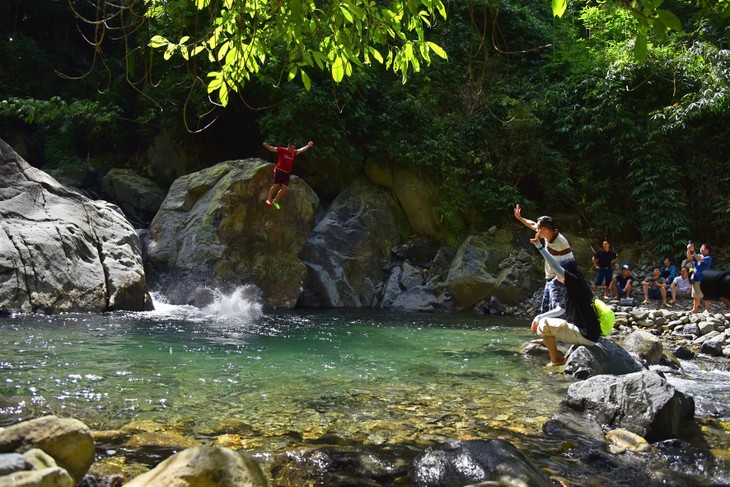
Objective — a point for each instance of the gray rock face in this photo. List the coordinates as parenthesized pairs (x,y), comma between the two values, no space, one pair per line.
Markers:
(488,265)
(645,345)
(459,463)
(214,231)
(137,196)
(204,466)
(605,357)
(60,251)
(347,249)
(643,403)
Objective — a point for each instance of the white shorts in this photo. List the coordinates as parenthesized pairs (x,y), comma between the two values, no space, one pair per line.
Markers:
(562,331)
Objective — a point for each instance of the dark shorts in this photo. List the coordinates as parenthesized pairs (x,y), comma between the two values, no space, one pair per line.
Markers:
(281,177)
(655,293)
(604,277)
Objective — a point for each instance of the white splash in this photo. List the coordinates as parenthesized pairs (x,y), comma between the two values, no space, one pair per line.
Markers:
(241,305)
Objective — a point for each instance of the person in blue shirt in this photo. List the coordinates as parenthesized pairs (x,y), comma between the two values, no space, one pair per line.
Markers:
(702,262)
(668,271)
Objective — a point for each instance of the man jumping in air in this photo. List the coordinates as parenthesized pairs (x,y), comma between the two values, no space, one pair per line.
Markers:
(282,171)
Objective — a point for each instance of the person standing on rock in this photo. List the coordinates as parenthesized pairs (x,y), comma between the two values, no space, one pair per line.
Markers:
(702,262)
(580,325)
(603,261)
(282,171)
(553,294)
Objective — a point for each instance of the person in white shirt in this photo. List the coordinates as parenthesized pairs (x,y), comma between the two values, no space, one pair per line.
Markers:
(681,286)
(557,245)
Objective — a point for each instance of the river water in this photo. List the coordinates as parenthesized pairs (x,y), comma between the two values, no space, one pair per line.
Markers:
(282,379)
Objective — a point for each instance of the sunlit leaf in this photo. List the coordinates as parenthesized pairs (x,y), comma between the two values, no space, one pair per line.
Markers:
(158,41)
(559,7)
(305,80)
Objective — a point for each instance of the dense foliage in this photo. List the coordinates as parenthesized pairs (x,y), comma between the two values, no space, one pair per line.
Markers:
(557,114)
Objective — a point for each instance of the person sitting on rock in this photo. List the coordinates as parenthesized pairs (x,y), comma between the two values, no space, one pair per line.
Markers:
(621,284)
(681,286)
(655,286)
(580,325)
(668,270)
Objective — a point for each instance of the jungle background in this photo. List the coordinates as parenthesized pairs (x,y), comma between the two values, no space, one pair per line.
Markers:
(558,114)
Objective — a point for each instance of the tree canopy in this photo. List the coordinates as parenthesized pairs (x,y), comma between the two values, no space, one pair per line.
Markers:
(240,36)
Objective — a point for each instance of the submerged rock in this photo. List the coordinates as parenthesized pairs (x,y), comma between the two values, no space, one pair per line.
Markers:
(458,463)
(60,251)
(342,465)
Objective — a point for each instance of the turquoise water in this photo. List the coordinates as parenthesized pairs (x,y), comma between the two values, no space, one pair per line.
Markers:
(235,360)
(282,379)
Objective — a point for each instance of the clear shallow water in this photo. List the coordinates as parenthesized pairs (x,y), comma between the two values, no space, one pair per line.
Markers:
(280,379)
(178,359)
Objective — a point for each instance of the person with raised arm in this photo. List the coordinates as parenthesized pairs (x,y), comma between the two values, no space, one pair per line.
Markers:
(282,171)
(575,324)
(557,245)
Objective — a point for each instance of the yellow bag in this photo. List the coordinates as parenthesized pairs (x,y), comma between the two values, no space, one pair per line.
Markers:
(605,315)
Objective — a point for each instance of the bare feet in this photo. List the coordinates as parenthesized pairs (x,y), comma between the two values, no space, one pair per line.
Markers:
(556,364)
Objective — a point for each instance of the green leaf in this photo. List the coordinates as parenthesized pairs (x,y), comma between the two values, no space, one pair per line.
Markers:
(670,20)
(223,94)
(158,41)
(640,49)
(376,54)
(305,80)
(338,69)
(438,50)
(216,82)
(559,7)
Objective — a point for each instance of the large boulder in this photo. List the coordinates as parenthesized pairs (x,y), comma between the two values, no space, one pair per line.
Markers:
(138,197)
(645,345)
(605,357)
(204,466)
(60,251)
(488,265)
(348,249)
(214,231)
(168,158)
(418,195)
(458,463)
(68,441)
(643,403)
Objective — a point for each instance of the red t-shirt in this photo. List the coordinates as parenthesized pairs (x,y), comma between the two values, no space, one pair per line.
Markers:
(286,159)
